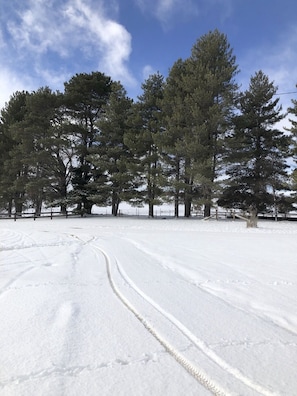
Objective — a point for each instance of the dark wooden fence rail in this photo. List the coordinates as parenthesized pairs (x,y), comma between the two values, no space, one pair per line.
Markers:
(32,215)
(228,214)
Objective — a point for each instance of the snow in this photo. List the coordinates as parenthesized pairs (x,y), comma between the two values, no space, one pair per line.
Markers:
(135,306)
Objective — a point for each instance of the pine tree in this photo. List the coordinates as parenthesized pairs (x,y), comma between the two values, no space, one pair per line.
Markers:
(145,126)
(293,130)
(35,157)
(212,90)
(257,150)
(13,172)
(110,156)
(85,96)
(176,140)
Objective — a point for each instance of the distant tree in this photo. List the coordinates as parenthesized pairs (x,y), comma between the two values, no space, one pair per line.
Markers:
(211,87)
(293,130)
(36,155)
(257,151)
(85,96)
(60,145)
(176,141)
(13,172)
(145,125)
(110,156)
(293,111)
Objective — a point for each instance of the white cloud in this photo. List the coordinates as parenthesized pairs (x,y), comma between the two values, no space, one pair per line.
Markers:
(147,71)
(279,63)
(52,40)
(166,10)
(170,11)
(111,39)
(10,83)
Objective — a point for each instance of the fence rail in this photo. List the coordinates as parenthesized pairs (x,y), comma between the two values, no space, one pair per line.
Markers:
(217,215)
(32,215)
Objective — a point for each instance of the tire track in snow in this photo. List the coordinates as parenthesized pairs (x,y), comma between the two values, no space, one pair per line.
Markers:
(192,369)
(196,341)
(196,372)
(252,312)
(201,377)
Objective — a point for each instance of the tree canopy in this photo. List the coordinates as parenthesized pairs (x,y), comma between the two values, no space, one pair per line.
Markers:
(191,139)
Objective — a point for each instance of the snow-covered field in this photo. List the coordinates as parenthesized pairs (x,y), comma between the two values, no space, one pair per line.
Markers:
(130,306)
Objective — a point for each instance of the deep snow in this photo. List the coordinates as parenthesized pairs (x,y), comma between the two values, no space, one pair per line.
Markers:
(223,297)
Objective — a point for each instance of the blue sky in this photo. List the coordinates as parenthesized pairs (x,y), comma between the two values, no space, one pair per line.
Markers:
(45,42)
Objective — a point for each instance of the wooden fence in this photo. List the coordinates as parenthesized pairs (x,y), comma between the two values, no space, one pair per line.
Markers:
(48,214)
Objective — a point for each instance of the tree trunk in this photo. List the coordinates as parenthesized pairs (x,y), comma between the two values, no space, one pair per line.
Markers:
(115,208)
(176,205)
(88,207)
(206,212)
(177,190)
(38,206)
(10,207)
(253,220)
(188,196)
(151,209)
(63,208)
(188,204)
(18,202)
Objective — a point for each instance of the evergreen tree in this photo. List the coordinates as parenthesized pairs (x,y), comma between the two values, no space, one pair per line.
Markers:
(36,153)
(212,90)
(13,172)
(145,127)
(257,150)
(293,130)
(60,145)
(293,110)
(176,140)
(110,156)
(85,96)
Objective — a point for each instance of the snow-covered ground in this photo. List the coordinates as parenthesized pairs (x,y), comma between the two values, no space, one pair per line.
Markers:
(130,306)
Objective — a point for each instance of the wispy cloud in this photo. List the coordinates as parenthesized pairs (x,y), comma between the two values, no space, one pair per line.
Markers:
(279,63)
(10,83)
(166,10)
(112,40)
(169,12)
(147,71)
(75,33)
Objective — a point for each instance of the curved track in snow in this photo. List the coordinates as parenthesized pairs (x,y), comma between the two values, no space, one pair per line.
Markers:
(147,305)
(209,383)
(182,360)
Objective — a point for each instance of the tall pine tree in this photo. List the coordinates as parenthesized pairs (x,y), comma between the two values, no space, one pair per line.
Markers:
(211,86)
(110,157)
(85,96)
(257,150)
(176,142)
(13,173)
(145,127)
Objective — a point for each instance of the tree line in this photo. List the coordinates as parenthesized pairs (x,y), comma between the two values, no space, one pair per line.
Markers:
(193,139)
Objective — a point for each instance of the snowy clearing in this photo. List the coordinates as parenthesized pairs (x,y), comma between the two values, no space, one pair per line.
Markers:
(132,306)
